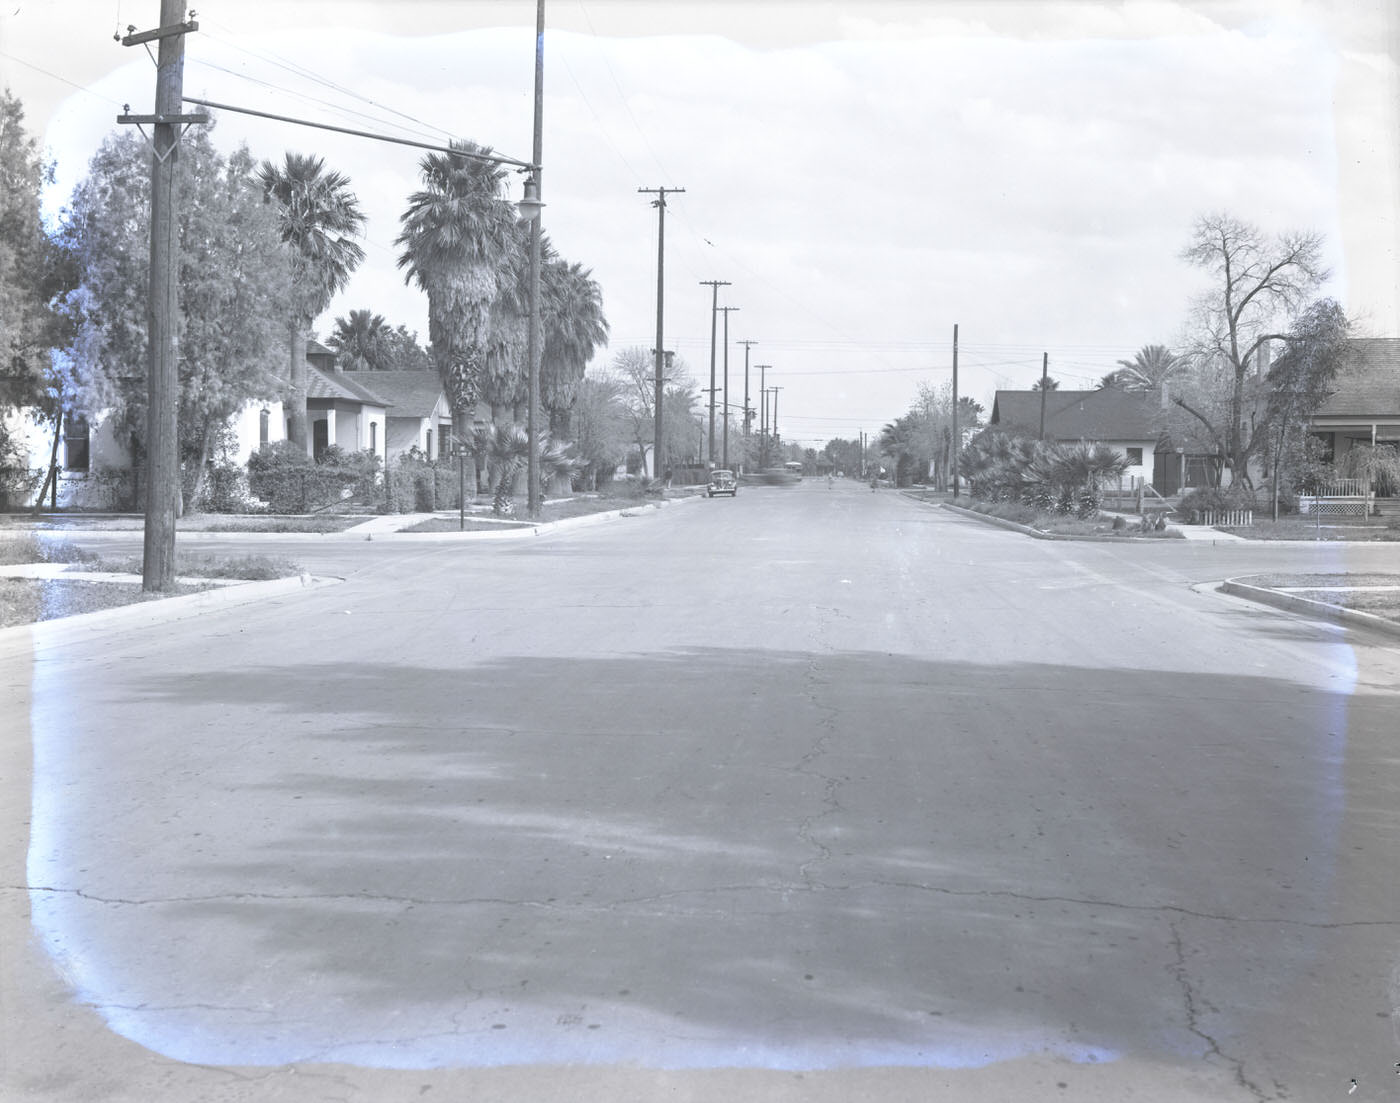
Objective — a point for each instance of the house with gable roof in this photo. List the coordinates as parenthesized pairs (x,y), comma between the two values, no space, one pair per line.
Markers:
(1126,421)
(1364,409)
(417,412)
(340,411)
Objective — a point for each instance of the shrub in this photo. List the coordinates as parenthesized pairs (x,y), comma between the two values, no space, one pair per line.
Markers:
(419,485)
(289,481)
(1194,504)
(18,485)
(103,488)
(226,490)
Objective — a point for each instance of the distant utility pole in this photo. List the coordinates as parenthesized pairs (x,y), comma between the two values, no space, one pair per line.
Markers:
(957,441)
(660,204)
(715,285)
(763,416)
(1044,384)
(746,345)
(725,451)
(163,375)
(775,391)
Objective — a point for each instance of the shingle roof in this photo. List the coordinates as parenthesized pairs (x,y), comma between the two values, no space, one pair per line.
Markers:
(409,393)
(1369,384)
(1109,413)
(332,385)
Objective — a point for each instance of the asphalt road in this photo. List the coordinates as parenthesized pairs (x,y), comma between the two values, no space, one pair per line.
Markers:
(812,794)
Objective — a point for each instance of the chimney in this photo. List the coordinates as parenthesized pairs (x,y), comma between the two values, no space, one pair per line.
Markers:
(1265,357)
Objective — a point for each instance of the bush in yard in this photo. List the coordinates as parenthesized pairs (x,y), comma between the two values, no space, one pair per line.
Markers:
(101,489)
(226,491)
(289,481)
(17,485)
(1196,503)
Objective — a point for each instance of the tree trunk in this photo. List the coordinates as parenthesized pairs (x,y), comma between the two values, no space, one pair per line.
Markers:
(201,471)
(296,386)
(560,486)
(51,479)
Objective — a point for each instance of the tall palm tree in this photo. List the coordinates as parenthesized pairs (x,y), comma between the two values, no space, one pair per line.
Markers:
(505,378)
(457,237)
(1149,367)
(574,327)
(360,341)
(319,217)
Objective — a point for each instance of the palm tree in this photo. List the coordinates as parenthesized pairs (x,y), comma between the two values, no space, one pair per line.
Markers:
(360,341)
(505,450)
(1149,367)
(1082,468)
(574,326)
(1047,383)
(319,215)
(458,239)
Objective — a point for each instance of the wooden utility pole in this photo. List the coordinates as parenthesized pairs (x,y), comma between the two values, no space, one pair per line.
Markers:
(1044,386)
(714,285)
(163,375)
(725,445)
(762,415)
(660,204)
(956,440)
(747,345)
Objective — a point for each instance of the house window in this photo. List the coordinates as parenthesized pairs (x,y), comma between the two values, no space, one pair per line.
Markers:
(1134,456)
(373,435)
(76,443)
(264,419)
(428,451)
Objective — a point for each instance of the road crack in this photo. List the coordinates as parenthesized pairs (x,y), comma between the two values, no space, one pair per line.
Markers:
(1195,1004)
(831,785)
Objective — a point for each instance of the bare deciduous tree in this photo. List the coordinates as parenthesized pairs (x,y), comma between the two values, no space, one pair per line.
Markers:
(1260,283)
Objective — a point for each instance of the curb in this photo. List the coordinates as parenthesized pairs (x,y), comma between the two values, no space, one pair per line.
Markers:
(524,532)
(360,533)
(1294,604)
(141,614)
(48,633)
(1037,534)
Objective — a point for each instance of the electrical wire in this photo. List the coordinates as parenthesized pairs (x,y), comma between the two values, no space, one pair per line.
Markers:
(61,80)
(307,73)
(348,113)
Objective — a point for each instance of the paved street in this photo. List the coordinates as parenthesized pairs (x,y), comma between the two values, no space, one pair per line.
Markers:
(814,794)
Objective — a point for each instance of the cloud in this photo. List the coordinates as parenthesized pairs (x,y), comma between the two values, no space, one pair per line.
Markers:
(864,179)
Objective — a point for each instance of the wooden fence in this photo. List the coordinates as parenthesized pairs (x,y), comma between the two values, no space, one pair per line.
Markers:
(1231,518)
(1340,498)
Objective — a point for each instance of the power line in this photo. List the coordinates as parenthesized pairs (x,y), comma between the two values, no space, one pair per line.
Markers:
(307,73)
(61,80)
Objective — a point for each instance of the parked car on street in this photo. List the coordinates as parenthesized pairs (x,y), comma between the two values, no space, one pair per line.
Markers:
(722,482)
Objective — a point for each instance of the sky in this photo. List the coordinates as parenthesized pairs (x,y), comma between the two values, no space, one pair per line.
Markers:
(865,176)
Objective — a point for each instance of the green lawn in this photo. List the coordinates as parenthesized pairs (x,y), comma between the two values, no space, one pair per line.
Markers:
(1305,528)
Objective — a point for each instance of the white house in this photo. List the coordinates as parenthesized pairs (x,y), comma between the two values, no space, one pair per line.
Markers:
(1121,419)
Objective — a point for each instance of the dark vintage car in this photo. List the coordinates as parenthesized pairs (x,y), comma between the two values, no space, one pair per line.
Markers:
(722,482)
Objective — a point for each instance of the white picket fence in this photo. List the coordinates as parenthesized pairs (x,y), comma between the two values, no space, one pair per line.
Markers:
(1342,498)
(1231,518)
